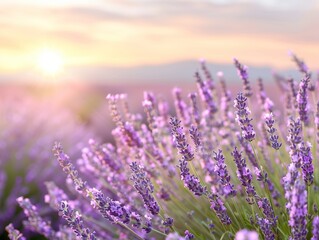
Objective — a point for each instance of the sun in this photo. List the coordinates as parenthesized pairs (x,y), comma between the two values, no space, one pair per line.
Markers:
(49,62)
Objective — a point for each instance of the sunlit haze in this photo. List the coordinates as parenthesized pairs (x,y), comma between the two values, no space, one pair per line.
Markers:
(49,62)
(96,35)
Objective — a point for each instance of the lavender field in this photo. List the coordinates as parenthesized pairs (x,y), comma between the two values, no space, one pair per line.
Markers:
(210,160)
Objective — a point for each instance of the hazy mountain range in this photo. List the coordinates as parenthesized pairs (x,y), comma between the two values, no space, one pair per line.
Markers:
(182,71)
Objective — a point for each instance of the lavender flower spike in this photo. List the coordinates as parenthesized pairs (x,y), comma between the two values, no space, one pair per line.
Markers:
(298,212)
(273,138)
(265,226)
(264,205)
(194,108)
(114,211)
(13,233)
(75,221)
(306,163)
(222,172)
(243,74)
(188,235)
(145,188)
(289,182)
(242,117)
(206,95)
(245,234)
(294,139)
(67,167)
(302,99)
(180,139)
(35,221)
(190,181)
(315,228)
(303,68)
(218,206)
(244,176)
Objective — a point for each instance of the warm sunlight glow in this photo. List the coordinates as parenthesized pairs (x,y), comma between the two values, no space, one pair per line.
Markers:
(49,62)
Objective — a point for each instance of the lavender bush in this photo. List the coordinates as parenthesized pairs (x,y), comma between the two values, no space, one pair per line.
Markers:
(222,167)
(26,133)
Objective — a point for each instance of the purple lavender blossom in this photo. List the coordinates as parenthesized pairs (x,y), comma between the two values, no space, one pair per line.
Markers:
(303,68)
(108,208)
(168,221)
(112,210)
(180,139)
(268,211)
(243,74)
(245,234)
(265,226)
(105,155)
(145,188)
(261,175)
(14,234)
(67,167)
(195,136)
(190,181)
(289,182)
(242,117)
(152,116)
(294,139)
(75,221)
(298,212)
(302,100)
(114,111)
(188,235)
(273,138)
(224,178)
(244,176)
(195,110)
(206,95)
(131,136)
(219,208)
(306,163)
(293,92)
(315,228)
(35,221)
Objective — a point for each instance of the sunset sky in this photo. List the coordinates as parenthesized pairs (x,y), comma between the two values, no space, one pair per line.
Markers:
(96,34)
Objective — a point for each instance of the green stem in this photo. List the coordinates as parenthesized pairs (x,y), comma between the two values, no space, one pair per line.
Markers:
(232,213)
(308,199)
(253,213)
(130,230)
(159,232)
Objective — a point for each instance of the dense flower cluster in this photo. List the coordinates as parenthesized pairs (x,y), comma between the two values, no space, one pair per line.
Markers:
(206,172)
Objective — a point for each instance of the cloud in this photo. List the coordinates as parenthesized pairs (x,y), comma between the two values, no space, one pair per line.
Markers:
(138,32)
